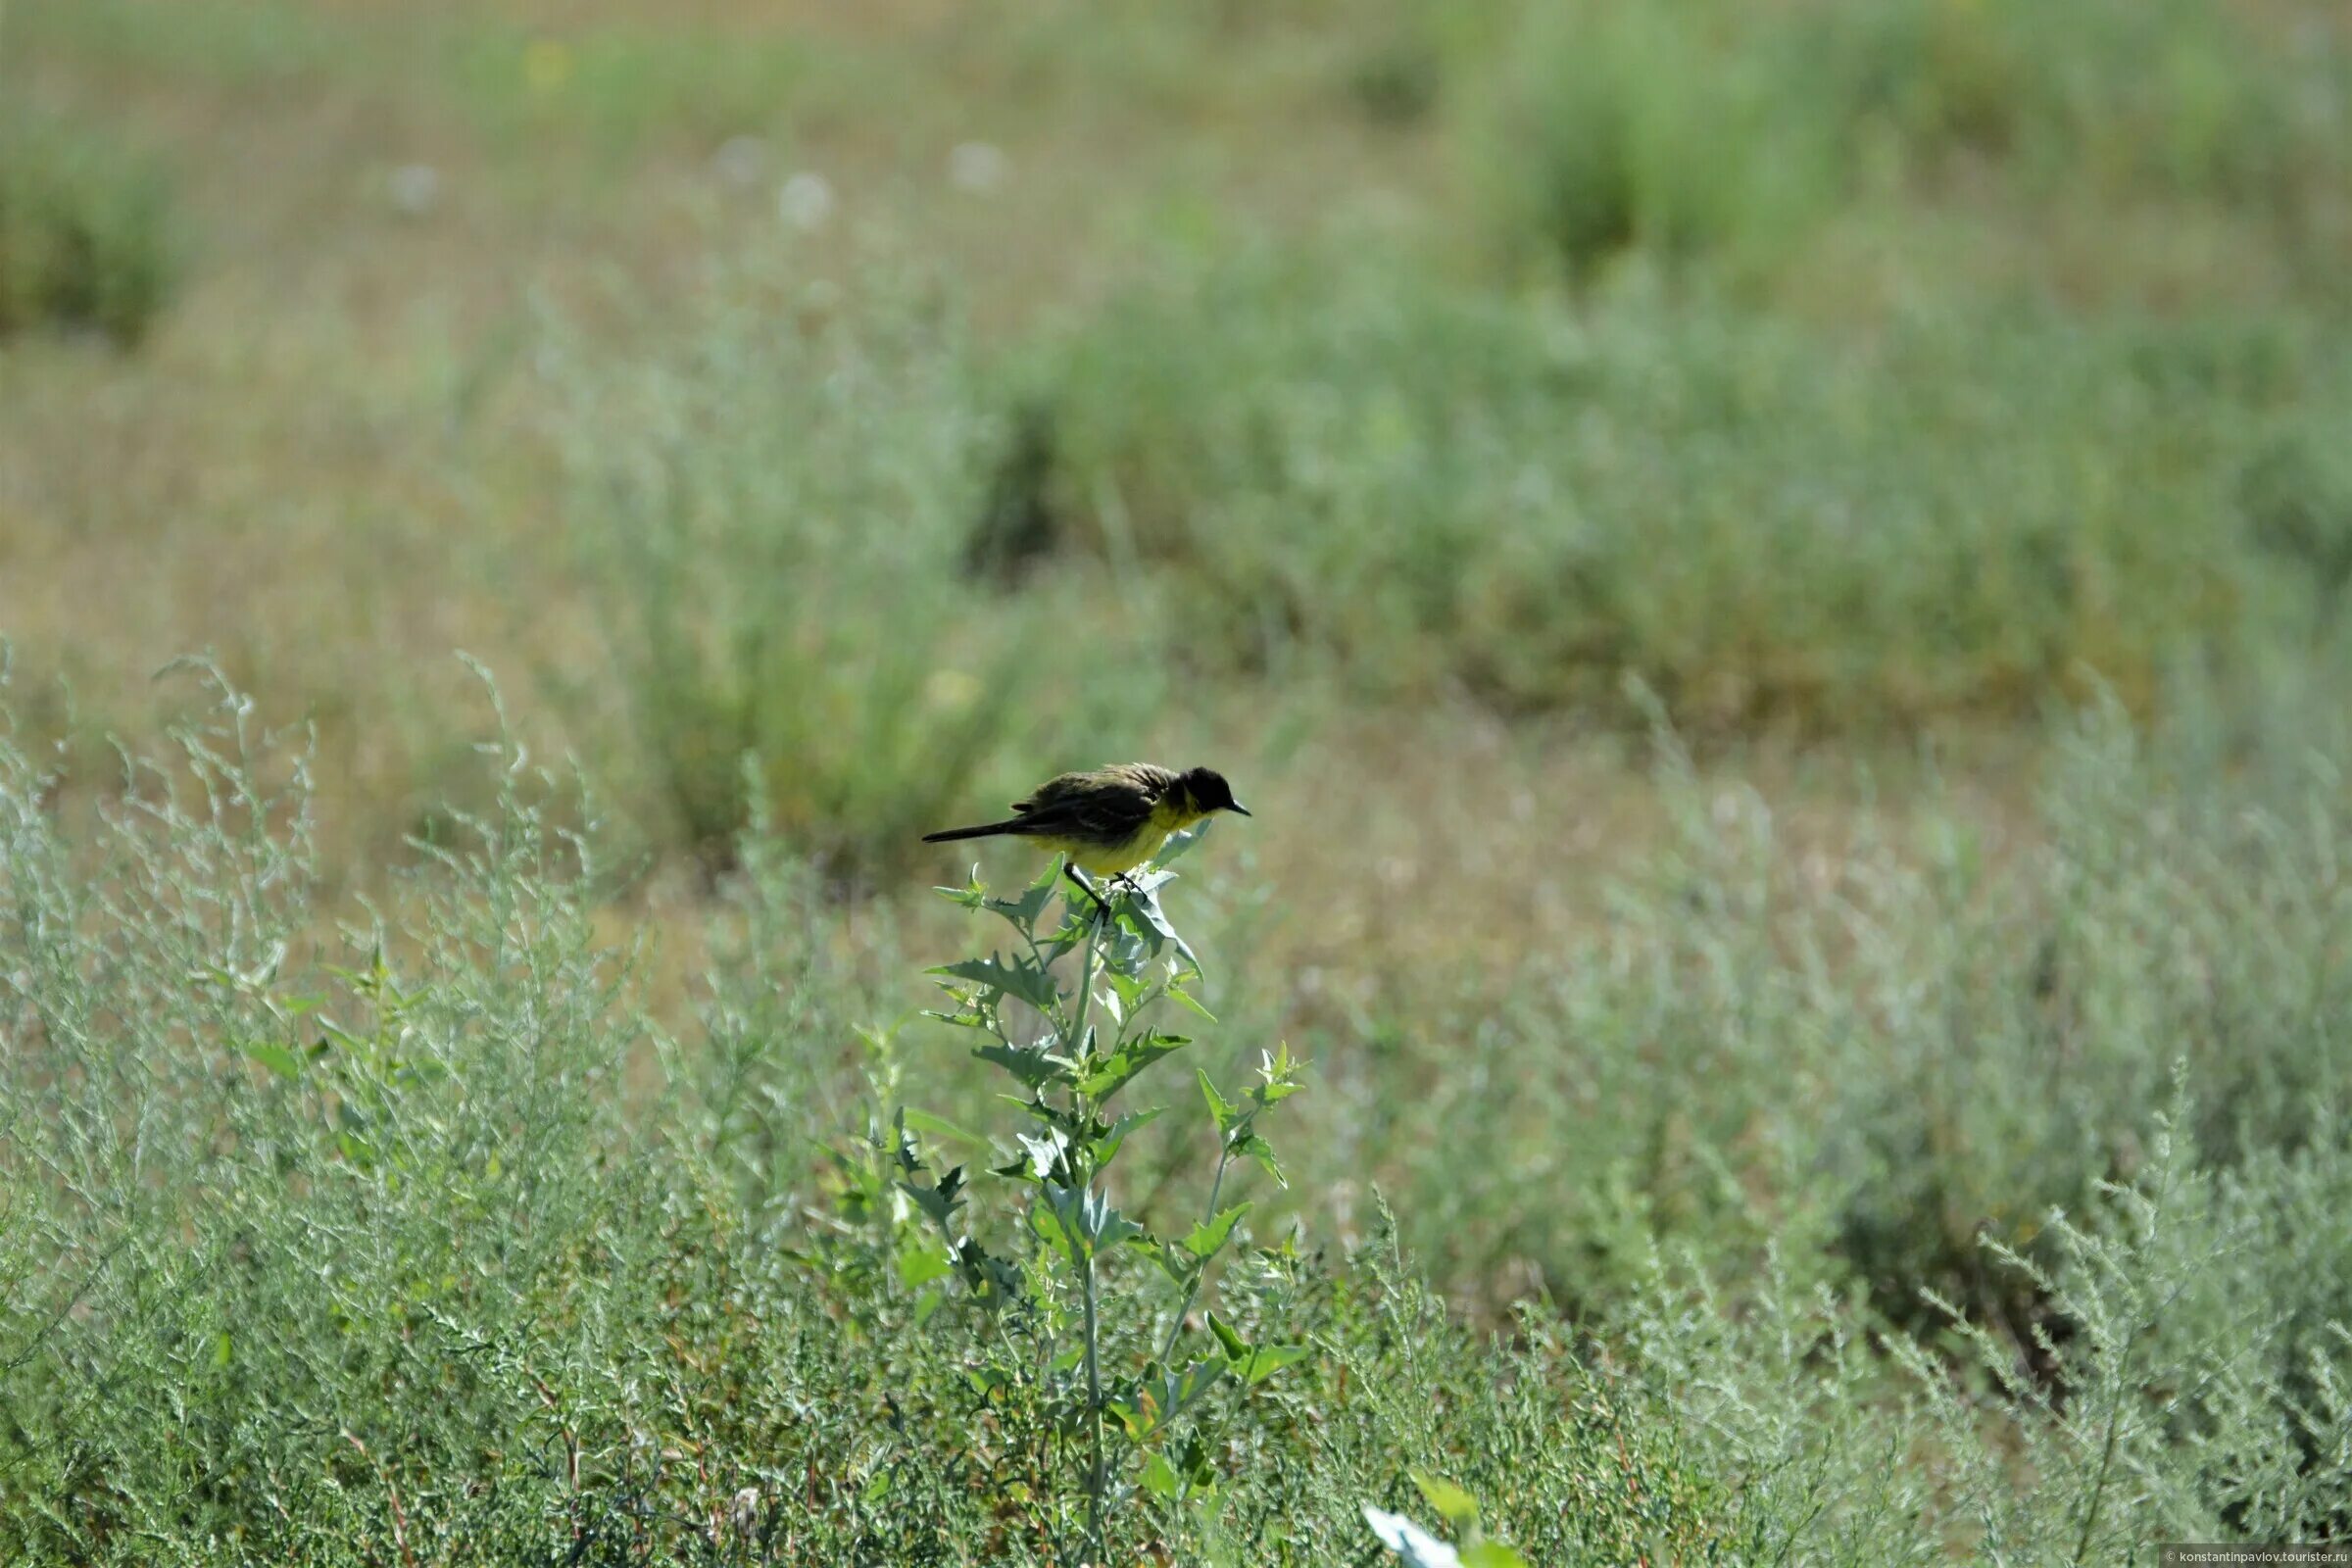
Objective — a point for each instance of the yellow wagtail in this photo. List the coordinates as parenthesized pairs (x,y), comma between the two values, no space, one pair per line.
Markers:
(1111,820)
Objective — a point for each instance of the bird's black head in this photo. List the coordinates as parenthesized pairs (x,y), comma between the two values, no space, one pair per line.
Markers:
(1208,792)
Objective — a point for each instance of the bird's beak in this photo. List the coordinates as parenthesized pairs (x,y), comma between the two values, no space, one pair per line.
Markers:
(1239,808)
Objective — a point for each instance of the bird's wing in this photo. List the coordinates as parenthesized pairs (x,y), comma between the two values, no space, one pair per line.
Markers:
(1111,803)
(1051,792)
(1142,778)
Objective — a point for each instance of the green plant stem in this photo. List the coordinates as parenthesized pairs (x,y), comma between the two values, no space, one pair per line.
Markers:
(2114,1404)
(1094,1406)
(2098,1489)
(1086,981)
(1191,1292)
(1086,1265)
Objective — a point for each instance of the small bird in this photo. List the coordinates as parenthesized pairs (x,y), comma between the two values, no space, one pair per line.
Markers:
(1111,820)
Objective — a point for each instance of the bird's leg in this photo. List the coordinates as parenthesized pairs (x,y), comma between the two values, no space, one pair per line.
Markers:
(1102,906)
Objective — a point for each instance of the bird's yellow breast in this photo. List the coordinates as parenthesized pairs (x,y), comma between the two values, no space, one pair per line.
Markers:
(1110,860)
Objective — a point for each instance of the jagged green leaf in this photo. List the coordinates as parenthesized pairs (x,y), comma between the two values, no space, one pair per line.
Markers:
(1104,1225)
(1218,1109)
(970,895)
(1181,844)
(939,1201)
(1023,978)
(1106,1146)
(1186,998)
(1268,1359)
(1210,1237)
(1258,1149)
(1024,910)
(1156,929)
(1490,1554)
(1042,1153)
(1129,1059)
(939,1126)
(279,1059)
(918,1266)
(1035,1068)
(1457,1507)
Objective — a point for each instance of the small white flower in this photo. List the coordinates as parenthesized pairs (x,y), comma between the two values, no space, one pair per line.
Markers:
(806,201)
(415,188)
(1407,1540)
(740,160)
(978,166)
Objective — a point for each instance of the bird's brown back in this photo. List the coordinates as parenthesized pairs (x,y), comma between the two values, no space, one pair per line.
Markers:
(1107,804)
(1148,781)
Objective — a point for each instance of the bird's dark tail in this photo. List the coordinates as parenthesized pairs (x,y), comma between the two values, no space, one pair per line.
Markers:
(985,830)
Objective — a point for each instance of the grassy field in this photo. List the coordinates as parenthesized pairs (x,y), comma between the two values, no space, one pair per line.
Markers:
(1774,576)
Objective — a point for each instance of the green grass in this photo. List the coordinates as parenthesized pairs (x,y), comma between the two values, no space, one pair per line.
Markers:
(1618,129)
(619,92)
(2103,100)
(427,1238)
(769,522)
(255,44)
(1693,133)
(1902,1120)
(1890,1058)
(87,237)
(1960,513)
(844,539)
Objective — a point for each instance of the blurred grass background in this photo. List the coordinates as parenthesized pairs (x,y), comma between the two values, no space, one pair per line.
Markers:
(921,398)
(1759,565)
(1846,372)
(1370,398)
